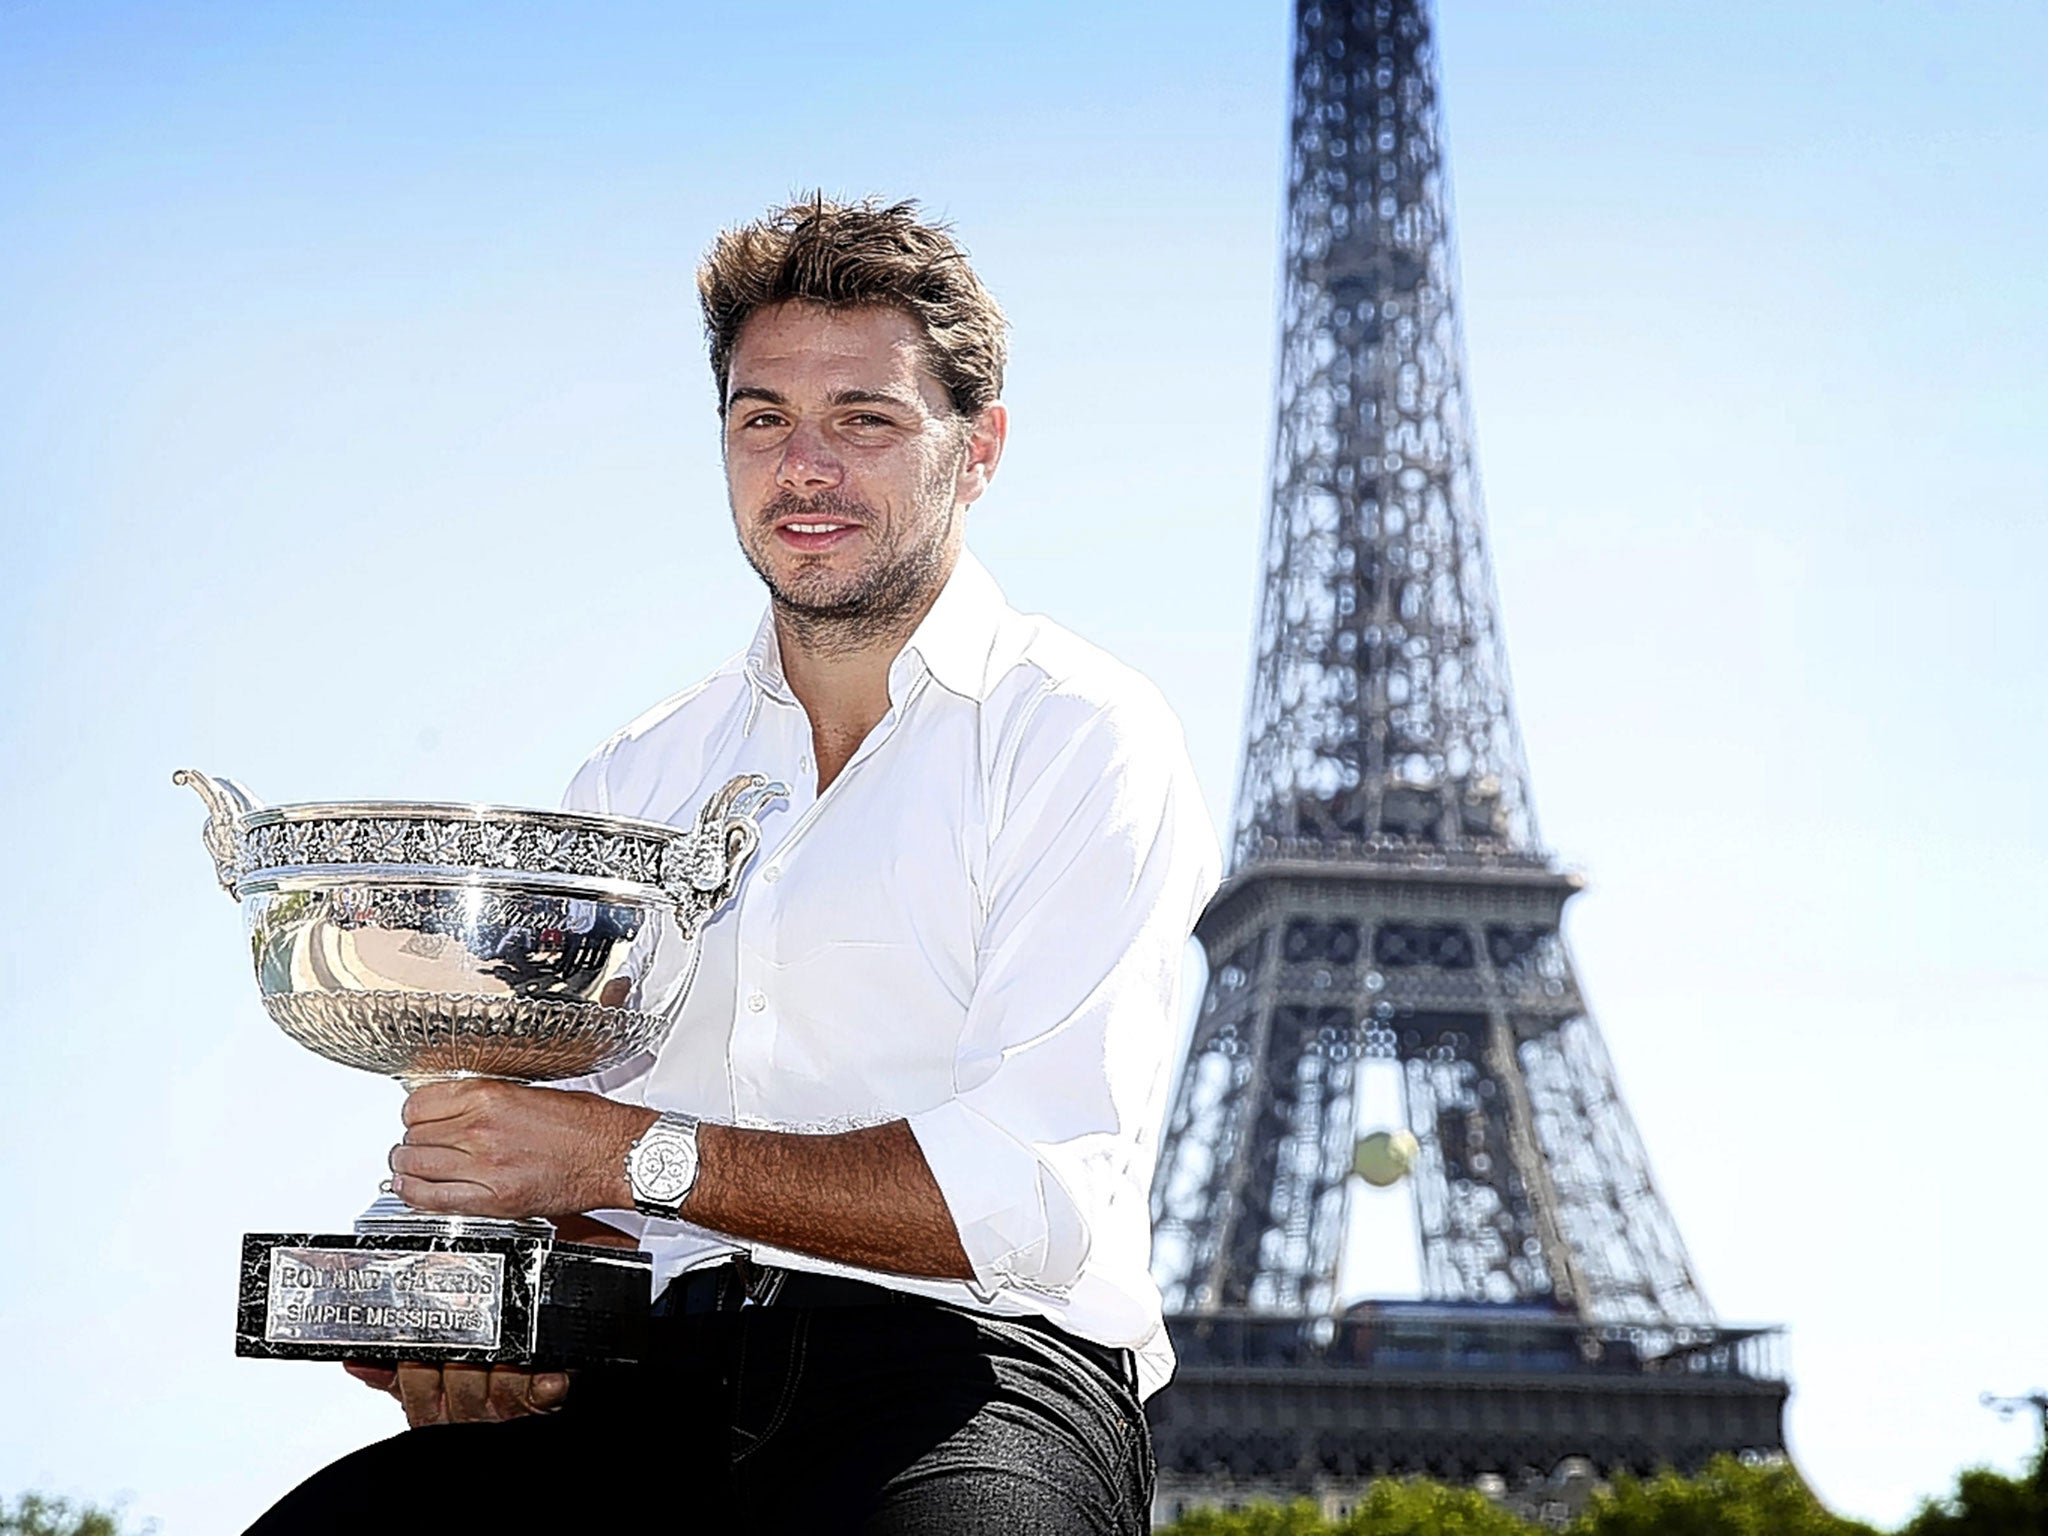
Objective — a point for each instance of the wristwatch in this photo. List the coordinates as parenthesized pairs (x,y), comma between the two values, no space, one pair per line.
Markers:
(661,1166)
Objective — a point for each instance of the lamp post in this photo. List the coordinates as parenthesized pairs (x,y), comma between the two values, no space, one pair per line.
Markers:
(2007,1407)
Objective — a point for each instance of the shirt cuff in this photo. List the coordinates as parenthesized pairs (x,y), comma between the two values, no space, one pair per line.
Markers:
(1017,1223)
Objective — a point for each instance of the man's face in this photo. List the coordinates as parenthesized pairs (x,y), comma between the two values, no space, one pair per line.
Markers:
(846,464)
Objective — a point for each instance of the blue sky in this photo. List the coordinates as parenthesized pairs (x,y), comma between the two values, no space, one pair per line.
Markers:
(355,439)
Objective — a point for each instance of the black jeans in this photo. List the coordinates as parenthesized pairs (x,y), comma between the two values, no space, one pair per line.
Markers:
(887,1421)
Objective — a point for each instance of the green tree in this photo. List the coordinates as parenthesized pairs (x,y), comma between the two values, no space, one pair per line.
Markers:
(1987,1503)
(1409,1507)
(1418,1508)
(1730,1498)
(35,1514)
(1261,1519)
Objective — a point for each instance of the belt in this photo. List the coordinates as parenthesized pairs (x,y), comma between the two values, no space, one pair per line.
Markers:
(740,1283)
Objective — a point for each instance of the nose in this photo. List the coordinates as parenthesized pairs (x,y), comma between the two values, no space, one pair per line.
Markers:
(808,464)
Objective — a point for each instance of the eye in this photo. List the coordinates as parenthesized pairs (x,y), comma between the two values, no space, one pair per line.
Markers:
(762,419)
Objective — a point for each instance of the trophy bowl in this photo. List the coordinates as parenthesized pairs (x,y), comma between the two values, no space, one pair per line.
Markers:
(429,941)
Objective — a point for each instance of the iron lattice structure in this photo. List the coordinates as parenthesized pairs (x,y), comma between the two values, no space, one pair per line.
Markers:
(1389,896)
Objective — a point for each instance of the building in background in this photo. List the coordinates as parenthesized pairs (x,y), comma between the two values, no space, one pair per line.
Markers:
(1390,922)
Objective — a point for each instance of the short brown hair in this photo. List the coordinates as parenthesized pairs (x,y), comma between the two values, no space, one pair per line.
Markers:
(850,256)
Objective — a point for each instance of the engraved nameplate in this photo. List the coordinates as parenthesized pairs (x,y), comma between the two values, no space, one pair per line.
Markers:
(385,1296)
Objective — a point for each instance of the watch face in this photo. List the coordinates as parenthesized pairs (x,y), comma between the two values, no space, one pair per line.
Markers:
(664,1169)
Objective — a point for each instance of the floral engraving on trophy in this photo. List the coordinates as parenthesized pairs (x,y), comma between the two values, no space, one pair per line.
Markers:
(450,843)
(441,842)
(497,846)
(383,841)
(295,843)
(570,852)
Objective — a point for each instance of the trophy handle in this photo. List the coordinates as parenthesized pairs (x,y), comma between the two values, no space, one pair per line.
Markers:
(701,868)
(227,802)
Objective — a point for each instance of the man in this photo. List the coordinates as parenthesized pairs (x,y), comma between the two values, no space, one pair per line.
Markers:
(920,1072)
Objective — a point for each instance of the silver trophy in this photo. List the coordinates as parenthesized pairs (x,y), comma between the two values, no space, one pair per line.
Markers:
(439,941)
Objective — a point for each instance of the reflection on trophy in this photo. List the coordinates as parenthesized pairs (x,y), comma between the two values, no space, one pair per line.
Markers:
(436,941)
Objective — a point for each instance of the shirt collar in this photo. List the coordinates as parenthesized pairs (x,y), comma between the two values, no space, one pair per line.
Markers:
(956,641)
(764,661)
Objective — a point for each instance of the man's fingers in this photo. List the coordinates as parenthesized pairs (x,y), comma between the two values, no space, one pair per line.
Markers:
(464,1394)
(509,1392)
(437,1165)
(457,1197)
(467,1391)
(419,1388)
(515,1393)
(438,1101)
(503,1149)
(547,1390)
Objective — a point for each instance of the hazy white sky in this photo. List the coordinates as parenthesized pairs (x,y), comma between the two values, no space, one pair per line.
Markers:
(355,439)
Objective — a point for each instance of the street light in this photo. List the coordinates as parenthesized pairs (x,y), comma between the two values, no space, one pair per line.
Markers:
(2009,1407)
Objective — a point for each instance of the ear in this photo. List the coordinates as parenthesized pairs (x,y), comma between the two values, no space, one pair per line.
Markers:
(987,431)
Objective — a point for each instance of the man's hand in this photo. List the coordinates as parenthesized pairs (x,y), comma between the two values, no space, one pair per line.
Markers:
(448,1394)
(479,1147)
(464,1394)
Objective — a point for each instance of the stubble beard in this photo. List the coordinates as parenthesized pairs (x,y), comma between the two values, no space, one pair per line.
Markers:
(880,603)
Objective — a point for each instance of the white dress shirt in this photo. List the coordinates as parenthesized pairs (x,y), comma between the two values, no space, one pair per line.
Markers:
(977,928)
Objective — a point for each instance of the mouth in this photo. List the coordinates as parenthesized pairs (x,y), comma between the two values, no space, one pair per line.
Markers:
(814,534)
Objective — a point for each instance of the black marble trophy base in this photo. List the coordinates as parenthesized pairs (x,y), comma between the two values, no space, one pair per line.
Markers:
(511,1300)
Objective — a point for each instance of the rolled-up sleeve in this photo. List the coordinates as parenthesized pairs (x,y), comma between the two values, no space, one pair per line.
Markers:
(1099,860)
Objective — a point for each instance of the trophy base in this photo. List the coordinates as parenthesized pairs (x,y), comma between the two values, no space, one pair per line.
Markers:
(388,1214)
(502,1298)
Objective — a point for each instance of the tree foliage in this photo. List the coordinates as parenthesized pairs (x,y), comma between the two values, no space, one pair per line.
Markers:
(1409,1507)
(1429,1509)
(1987,1503)
(35,1514)
(1260,1519)
(1730,1498)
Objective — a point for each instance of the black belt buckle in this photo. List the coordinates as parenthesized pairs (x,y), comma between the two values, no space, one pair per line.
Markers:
(726,1286)
(759,1284)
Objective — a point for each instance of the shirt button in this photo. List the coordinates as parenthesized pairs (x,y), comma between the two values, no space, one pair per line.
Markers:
(772,873)
(756,1001)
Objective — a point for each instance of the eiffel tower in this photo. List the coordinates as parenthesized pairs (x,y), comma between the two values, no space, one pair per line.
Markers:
(1391,908)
